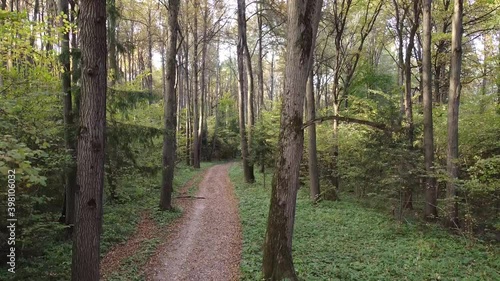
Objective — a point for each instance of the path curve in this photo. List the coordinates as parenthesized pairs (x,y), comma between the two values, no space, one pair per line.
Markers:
(206,243)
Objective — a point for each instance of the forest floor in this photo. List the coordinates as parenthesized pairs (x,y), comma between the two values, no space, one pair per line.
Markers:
(205,244)
(346,240)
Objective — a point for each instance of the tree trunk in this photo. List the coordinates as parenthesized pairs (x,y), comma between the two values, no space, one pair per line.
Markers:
(201,130)
(251,99)
(113,64)
(430,181)
(243,87)
(217,97)
(453,105)
(150,57)
(331,193)
(196,138)
(188,92)
(69,141)
(408,189)
(271,91)
(170,107)
(260,70)
(91,138)
(303,19)
(311,132)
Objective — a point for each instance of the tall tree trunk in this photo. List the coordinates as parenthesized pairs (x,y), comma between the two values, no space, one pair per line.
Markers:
(430,211)
(113,63)
(318,87)
(243,88)
(75,63)
(331,193)
(399,30)
(187,90)
(201,129)
(251,113)
(217,97)
(260,70)
(311,132)
(437,84)
(408,189)
(196,137)
(303,19)
(91,138)
(169,135)
(150,56)
(271,90)
(180,95)
(251,100)
(69,141)
(453,105)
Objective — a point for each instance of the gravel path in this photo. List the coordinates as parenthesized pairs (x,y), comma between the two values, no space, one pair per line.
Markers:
(206,243)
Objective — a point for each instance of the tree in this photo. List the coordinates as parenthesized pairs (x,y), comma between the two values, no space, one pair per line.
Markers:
(170,107)
(113,63)
(303,20)
(260,70)
(453,105)
(196,109)
(407,202)
(311,132)
(242,52)
(430,181)
(348,45)
(91,131)
(70,174)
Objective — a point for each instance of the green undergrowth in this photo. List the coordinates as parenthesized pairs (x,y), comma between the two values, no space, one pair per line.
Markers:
(345,241)
(131,269)
(137,194)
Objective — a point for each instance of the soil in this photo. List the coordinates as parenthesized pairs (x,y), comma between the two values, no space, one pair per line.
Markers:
(205,244)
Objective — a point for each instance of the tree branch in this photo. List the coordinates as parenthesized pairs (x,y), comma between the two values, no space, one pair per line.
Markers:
(372,124)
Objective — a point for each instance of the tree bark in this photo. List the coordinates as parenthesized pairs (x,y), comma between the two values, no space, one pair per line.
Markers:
(91,139)
(201,129)
(408,190)
(196,138)
(69,141)
(271,90)
(150,57)
(170,107)
(217,97)
(260,70)
(430,211)
(453,106)
(303,19)
(251,99)
(243,89)
(430,181)
(113,63)
(311,132)
(187,90)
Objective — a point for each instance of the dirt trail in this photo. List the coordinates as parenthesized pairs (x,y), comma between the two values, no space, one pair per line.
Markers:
(206,243)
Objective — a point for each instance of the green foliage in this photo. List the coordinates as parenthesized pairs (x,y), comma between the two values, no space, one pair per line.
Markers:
(344,241)
(227,140)
(479,148)
(50,254)
(266,134)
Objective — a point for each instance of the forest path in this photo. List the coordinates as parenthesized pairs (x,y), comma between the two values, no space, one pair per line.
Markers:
(206,243)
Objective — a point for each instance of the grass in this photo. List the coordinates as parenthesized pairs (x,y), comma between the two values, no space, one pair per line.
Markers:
(345,241)
(137,194)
